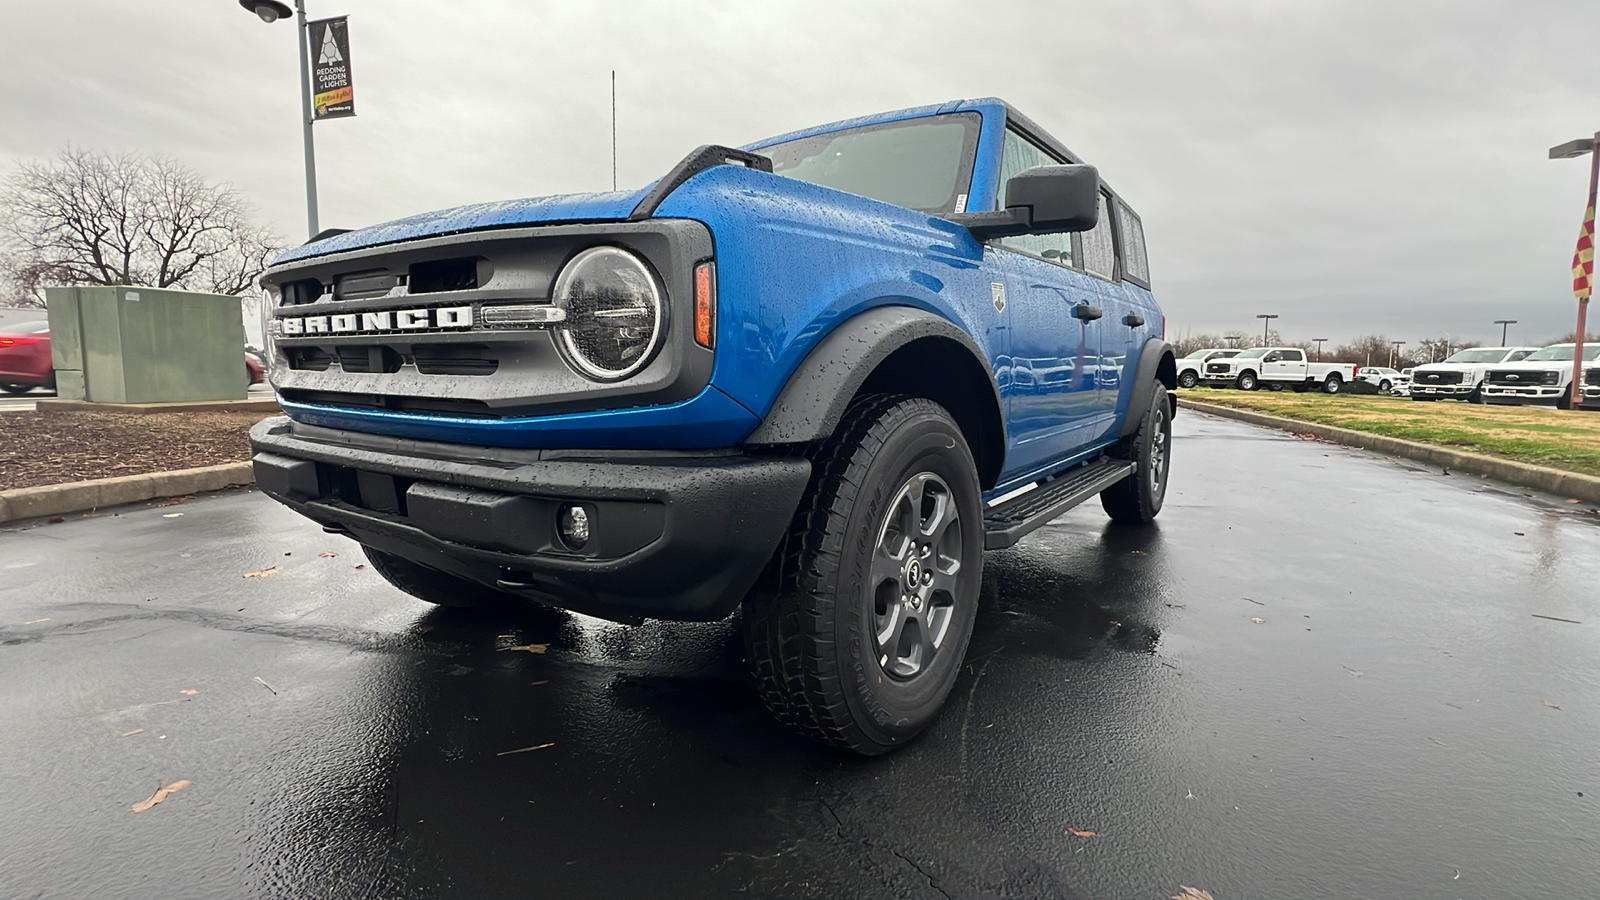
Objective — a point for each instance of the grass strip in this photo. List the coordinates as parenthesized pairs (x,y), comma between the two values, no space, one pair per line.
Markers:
(1560,439)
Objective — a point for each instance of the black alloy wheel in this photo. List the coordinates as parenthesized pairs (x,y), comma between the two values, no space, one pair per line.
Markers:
(1137,499)
(856,631)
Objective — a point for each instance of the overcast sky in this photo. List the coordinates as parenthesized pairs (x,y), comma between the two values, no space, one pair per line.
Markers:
(1352,166)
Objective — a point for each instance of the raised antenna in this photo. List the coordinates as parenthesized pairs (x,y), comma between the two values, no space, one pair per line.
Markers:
(613,129)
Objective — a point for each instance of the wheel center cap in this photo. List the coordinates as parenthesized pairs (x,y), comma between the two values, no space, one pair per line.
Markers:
(913,575)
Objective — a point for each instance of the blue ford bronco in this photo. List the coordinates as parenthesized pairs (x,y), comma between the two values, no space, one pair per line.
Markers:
(817,376)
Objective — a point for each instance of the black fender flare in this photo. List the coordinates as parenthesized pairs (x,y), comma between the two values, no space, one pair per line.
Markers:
(814,398)
(1157,362)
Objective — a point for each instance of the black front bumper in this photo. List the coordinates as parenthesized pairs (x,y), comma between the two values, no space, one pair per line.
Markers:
(673,535)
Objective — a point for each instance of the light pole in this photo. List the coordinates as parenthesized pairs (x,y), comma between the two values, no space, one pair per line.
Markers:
(1583,259)
(271,11)
(1319,347)
(1395,351)
(1265,323)
(1503,323)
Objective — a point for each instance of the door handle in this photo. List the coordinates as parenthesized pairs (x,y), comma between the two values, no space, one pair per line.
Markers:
(1087,313)
(1132,321)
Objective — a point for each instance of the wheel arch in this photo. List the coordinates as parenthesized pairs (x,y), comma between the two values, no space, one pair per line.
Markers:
(1157,363)
(892,349)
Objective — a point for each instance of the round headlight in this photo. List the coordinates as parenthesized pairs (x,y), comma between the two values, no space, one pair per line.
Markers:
(613,310)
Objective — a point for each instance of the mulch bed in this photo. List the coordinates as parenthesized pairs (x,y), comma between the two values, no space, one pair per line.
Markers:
(55,447)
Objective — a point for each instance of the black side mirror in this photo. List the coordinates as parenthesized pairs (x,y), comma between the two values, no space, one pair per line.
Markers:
(1042,200)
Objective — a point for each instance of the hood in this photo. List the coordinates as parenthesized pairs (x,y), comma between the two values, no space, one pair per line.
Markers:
(562,208)
(1456,367)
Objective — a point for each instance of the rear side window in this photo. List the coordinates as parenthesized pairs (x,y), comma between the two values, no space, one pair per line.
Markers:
(1293,356)
(1099,251)
(1135,264)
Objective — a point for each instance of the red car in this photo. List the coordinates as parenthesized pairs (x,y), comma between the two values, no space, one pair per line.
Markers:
(25,357)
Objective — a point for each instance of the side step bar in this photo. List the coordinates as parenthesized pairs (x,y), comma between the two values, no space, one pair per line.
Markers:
(1006,524)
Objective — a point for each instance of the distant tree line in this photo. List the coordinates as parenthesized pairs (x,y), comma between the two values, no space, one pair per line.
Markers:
(89,217)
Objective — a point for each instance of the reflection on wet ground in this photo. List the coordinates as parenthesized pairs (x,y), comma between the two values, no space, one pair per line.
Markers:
(1238,699)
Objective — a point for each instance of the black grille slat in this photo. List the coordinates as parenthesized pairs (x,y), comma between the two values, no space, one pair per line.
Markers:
(1217,368)
(1514,378)
(1437,378)
(368,359)
(444,275)
(366,285)
(454,359)
(1592,378)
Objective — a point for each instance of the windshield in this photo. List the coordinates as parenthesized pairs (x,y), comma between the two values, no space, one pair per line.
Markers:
(1477,355)
(922,164)
(1564,352)
(1199,354)
(1256,353)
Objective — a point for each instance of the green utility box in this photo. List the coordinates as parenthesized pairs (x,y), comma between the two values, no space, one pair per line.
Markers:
(146,345)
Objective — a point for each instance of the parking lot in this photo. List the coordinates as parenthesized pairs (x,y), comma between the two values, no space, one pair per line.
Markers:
(1322,674)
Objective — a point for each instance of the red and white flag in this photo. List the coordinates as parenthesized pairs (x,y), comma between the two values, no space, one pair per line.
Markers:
(1583,259)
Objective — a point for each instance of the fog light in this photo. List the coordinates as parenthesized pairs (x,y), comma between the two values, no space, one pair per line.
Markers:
(573,525)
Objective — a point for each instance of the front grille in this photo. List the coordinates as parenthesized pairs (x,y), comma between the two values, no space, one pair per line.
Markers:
(1437,378)
(1217,368)
(1514,378)
(1592,378)
(370,359)
(366,285)
(473,408)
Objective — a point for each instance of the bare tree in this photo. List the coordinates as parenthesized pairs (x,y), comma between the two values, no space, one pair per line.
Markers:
(96,218)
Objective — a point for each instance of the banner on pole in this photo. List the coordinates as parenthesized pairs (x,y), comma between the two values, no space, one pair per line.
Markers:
(1583,259)
(332,95)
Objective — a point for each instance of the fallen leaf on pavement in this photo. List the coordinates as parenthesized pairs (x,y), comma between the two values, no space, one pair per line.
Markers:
(526,749)
(189,691)
(361,565)
(55,520)
(267,686)
(36,621)
(170,515)
(1356,672)
(1258,620)
(1078,833)
(531,648)
(1574,500)
(1256,602)
(327,553)
(1188,893)
(1549,704)
(269,570)
(160,795)
(133,732)
(539,682)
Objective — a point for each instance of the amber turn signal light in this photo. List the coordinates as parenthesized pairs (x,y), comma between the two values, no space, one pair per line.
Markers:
(705,305)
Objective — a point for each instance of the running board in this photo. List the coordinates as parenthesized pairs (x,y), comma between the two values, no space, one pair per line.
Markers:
(1006,524)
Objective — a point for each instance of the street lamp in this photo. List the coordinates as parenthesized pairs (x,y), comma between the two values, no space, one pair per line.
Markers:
(1319,347)
(1395,351)
(271,11)
(1582,269)
(1266,321)
(1503,323)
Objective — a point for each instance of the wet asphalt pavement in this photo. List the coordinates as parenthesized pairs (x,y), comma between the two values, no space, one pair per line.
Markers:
(1384,716)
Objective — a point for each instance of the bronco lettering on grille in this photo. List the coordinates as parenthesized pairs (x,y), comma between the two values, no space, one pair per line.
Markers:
(378,322)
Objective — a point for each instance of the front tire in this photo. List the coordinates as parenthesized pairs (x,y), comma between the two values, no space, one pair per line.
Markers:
(432,585)
(1384,386)
(1246,381)
(1333,385)
(1188,379)
(856,632)
(16,388)
(1137,499)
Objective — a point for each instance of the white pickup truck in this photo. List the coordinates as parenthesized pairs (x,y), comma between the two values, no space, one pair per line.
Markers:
(1460,376)
(1189,367)
(1544,377)
(1278,368)
(1591,388)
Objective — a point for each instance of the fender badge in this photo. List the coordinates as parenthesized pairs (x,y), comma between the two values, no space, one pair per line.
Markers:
(998,292)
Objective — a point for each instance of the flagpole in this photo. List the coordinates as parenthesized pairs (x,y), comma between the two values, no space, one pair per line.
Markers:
(1576,396)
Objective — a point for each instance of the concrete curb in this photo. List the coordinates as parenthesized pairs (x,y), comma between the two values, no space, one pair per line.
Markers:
(56,404)
(1553,481)
(79,496)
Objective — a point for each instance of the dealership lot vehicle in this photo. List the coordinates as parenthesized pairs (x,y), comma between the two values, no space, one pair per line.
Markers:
(1544,376)
(1190,367)
(1460,376)
(768,378)
(1380,377)
(1278,368)
(25,357)
(1591,388)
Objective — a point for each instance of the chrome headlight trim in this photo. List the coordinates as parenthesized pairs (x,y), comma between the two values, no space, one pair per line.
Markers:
(629,268)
